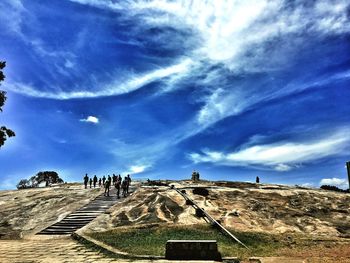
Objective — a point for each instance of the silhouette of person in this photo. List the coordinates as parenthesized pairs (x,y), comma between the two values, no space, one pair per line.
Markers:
(114,178)
(90,182)
(109,179)
(257,180)
(95,181)
(99,182)
(86,180)
(103,180)
(124,186)
(117,186)
(107,185)
(193,176)
(128,182)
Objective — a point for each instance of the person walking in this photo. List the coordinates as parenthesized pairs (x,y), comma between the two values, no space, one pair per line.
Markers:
(99,182)
(107,185)
(90,182)
(117,186)
(128,182)
(86,180)
(95,181)
(103,180)
(124,186)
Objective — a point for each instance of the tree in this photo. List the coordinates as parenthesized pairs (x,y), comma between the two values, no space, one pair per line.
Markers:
(24,183)
(4,132)
(49,177)
(334,188)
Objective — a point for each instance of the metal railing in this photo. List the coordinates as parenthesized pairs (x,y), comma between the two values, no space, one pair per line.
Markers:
(209,218)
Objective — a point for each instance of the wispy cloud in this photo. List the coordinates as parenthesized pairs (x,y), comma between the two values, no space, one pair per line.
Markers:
(114,88)
(11,14)
(91,119)
(280,156)
(229,29)
(236,35)
(136,169)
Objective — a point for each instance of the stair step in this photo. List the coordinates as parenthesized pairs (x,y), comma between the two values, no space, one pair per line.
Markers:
(82,216)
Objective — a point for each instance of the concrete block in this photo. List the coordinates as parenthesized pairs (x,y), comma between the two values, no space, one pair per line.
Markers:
(192,250)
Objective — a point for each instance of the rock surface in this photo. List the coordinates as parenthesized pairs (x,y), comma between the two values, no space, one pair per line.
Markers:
(27,211)
(241,206)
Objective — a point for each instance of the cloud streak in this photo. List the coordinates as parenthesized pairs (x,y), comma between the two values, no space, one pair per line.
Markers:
(280,156)
(111,89)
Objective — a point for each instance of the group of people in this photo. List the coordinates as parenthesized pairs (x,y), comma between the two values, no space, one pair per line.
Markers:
(116,180)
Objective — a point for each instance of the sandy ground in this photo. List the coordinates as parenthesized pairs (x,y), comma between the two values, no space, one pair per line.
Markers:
(28,211)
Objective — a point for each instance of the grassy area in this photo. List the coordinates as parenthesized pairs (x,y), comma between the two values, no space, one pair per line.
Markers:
(151,241)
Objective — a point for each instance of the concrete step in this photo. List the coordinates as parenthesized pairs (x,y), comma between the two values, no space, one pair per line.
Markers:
(82,216)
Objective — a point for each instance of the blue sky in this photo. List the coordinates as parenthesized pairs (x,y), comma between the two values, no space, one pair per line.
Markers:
(234,89)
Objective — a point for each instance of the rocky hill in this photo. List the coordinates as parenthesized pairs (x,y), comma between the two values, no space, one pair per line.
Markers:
(28,211)
(241,206)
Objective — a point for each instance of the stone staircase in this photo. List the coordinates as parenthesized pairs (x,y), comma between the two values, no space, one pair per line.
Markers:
(82,216)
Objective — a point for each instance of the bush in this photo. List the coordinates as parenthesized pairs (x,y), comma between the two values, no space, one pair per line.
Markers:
(333,188)
(24,183)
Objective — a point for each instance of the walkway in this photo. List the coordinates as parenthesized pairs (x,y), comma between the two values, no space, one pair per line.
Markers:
(52,249)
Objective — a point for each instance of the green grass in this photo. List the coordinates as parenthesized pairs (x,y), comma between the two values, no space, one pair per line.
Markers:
(151,241)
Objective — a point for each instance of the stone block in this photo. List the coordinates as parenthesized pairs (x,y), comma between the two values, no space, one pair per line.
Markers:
(192,250)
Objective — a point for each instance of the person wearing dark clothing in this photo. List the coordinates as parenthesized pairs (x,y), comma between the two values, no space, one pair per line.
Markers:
(109,179)
(86,180)
(95,181)
(99,182)
(257,180)
(103,180)
(124,186)
(107,185)
(128,182)
(114,178)
(120,178)
(90,182)
(117,186)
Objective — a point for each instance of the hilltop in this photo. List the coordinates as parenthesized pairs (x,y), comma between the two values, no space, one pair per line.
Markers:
(242,206)
(275,220)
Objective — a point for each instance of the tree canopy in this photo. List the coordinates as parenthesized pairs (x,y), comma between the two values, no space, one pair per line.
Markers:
(49,177)
(4,132)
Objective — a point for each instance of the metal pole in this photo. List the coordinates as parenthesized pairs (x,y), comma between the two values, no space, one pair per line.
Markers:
(348,168)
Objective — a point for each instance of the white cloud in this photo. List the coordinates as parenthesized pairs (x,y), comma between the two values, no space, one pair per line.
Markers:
(112,89)
(228,29)
(283,167)
(91,119)
(222,103)
(280,156)
(343,183)
(135,169)
(234,34)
